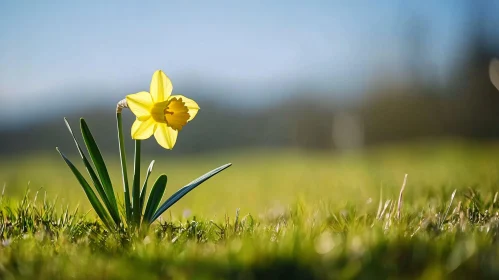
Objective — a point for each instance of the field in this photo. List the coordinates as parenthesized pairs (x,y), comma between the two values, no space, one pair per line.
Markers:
(284,214)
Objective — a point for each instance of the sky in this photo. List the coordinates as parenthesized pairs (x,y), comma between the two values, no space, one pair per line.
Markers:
(54,54)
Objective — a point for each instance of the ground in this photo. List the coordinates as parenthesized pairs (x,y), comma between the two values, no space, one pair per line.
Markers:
(274,214)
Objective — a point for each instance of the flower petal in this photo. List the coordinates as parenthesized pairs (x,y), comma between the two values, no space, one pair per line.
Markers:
(190,104)
(166,136)
(143,129)
(161,87)
(140,103)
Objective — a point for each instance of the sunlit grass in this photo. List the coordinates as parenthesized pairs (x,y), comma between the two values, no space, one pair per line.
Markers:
(266,179)
(302,215)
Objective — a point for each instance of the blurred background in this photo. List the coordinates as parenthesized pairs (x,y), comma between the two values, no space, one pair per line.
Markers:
(305,76)
(313,75)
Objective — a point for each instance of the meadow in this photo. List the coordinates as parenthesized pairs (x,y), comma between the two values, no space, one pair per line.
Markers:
(288,214)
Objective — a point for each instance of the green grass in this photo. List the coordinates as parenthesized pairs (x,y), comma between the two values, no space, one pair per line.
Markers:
(301,215)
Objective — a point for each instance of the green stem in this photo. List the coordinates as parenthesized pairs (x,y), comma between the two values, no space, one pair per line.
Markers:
(126,189)
(136,186)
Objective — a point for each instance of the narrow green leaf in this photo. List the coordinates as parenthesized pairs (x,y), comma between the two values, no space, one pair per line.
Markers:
(124,173)
(98,186)
(136,185)
(143,192)
(99,209)
(155,197)
(186,189)
(99,163)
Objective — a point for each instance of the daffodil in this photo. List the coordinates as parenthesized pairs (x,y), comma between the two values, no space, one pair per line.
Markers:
(157,112)
(160,113)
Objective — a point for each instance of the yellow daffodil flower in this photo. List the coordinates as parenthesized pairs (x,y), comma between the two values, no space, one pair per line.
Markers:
(160,113)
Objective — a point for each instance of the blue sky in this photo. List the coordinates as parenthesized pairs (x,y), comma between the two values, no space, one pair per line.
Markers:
(56,46)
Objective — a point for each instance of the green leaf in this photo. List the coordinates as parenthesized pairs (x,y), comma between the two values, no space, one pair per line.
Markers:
(98,186)
(124,174)
(186,189)
(99,163)
(155,197)
(136,185)
(143,192)
(99,209)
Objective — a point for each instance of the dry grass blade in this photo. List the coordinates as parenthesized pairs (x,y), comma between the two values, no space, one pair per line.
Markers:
(399,207)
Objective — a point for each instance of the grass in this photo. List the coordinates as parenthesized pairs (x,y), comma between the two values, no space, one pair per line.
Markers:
(275,214)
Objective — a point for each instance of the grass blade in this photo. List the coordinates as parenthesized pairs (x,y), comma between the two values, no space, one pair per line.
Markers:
(124,173)
(444,217)
(99,163)
(143,192)
(98,186)
(99,209)
(136,185)
(157,192)
(186,189)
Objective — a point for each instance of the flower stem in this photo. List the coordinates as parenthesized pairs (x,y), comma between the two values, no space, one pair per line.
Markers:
(126,189)
(137,212)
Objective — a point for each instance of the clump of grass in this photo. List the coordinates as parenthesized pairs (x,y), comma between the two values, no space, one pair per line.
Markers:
(455,236)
